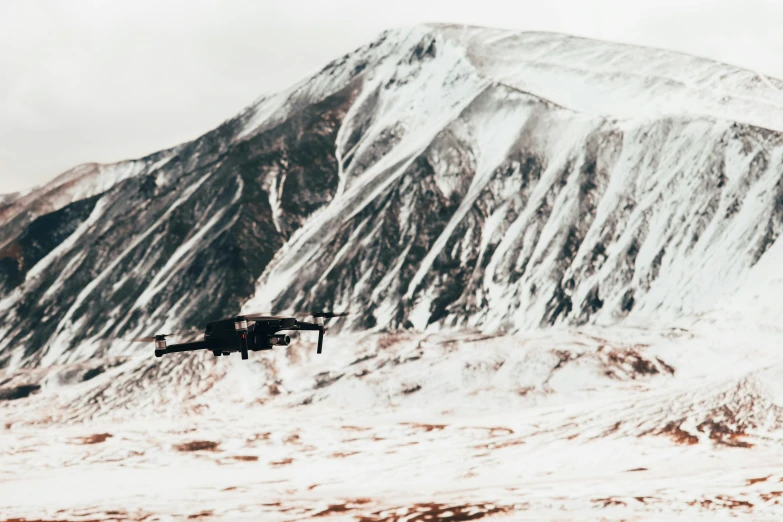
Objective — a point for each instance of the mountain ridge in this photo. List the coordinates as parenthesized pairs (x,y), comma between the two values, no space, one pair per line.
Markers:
(673,52)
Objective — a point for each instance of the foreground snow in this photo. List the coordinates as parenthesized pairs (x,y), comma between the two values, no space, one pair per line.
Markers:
(620,424)
(287,465)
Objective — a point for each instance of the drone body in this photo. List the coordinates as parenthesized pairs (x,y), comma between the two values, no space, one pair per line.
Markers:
(243,334)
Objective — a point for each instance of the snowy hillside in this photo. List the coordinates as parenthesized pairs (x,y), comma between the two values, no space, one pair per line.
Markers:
(592,424)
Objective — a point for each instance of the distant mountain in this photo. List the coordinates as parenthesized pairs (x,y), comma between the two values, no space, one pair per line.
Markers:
(440,176)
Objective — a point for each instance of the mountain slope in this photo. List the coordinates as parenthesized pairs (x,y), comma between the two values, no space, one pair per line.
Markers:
(530,207)
(439,176)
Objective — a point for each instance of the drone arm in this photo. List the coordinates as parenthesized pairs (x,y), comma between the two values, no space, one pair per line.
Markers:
(184,347)
(320,339)
(308,326)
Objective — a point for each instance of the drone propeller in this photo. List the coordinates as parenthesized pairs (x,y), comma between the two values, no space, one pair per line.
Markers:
(257,315)
(329,315)
(152,338)
(325,315)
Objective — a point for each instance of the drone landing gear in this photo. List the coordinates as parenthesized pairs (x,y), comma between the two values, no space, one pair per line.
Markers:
(243,345)
(216,353)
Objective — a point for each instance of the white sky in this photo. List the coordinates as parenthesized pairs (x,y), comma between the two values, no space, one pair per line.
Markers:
(99,80)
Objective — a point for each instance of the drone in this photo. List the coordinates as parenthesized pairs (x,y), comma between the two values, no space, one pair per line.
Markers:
(244,333)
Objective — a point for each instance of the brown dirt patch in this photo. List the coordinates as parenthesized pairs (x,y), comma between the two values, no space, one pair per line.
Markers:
(679,435)
(609,501)
(96,439)
(348,505)
(425,427)
(363,359)
(388,340)
(500,445)
(722,501)
(507,444)
(724,435)
(429,512)
(613,429)
(247,458)
(42,520)
(617,359)
(733,503)
(332,509)
(498,431)
(283,462)
(340,455)
(354,428)
(766,497)
(493,431)
(197,445)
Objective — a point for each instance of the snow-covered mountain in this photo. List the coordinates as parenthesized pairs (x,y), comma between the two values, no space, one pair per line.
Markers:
(563,261)
(442,176)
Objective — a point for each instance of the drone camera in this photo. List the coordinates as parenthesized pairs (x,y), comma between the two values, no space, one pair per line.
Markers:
(280,340)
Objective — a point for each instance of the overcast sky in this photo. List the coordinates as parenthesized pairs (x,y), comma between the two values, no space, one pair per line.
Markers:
(99,80)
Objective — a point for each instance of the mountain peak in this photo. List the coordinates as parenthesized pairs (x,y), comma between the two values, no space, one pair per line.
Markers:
(611,80)
(620,80)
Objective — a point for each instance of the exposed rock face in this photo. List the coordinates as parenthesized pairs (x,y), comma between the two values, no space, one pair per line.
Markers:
(437,177)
